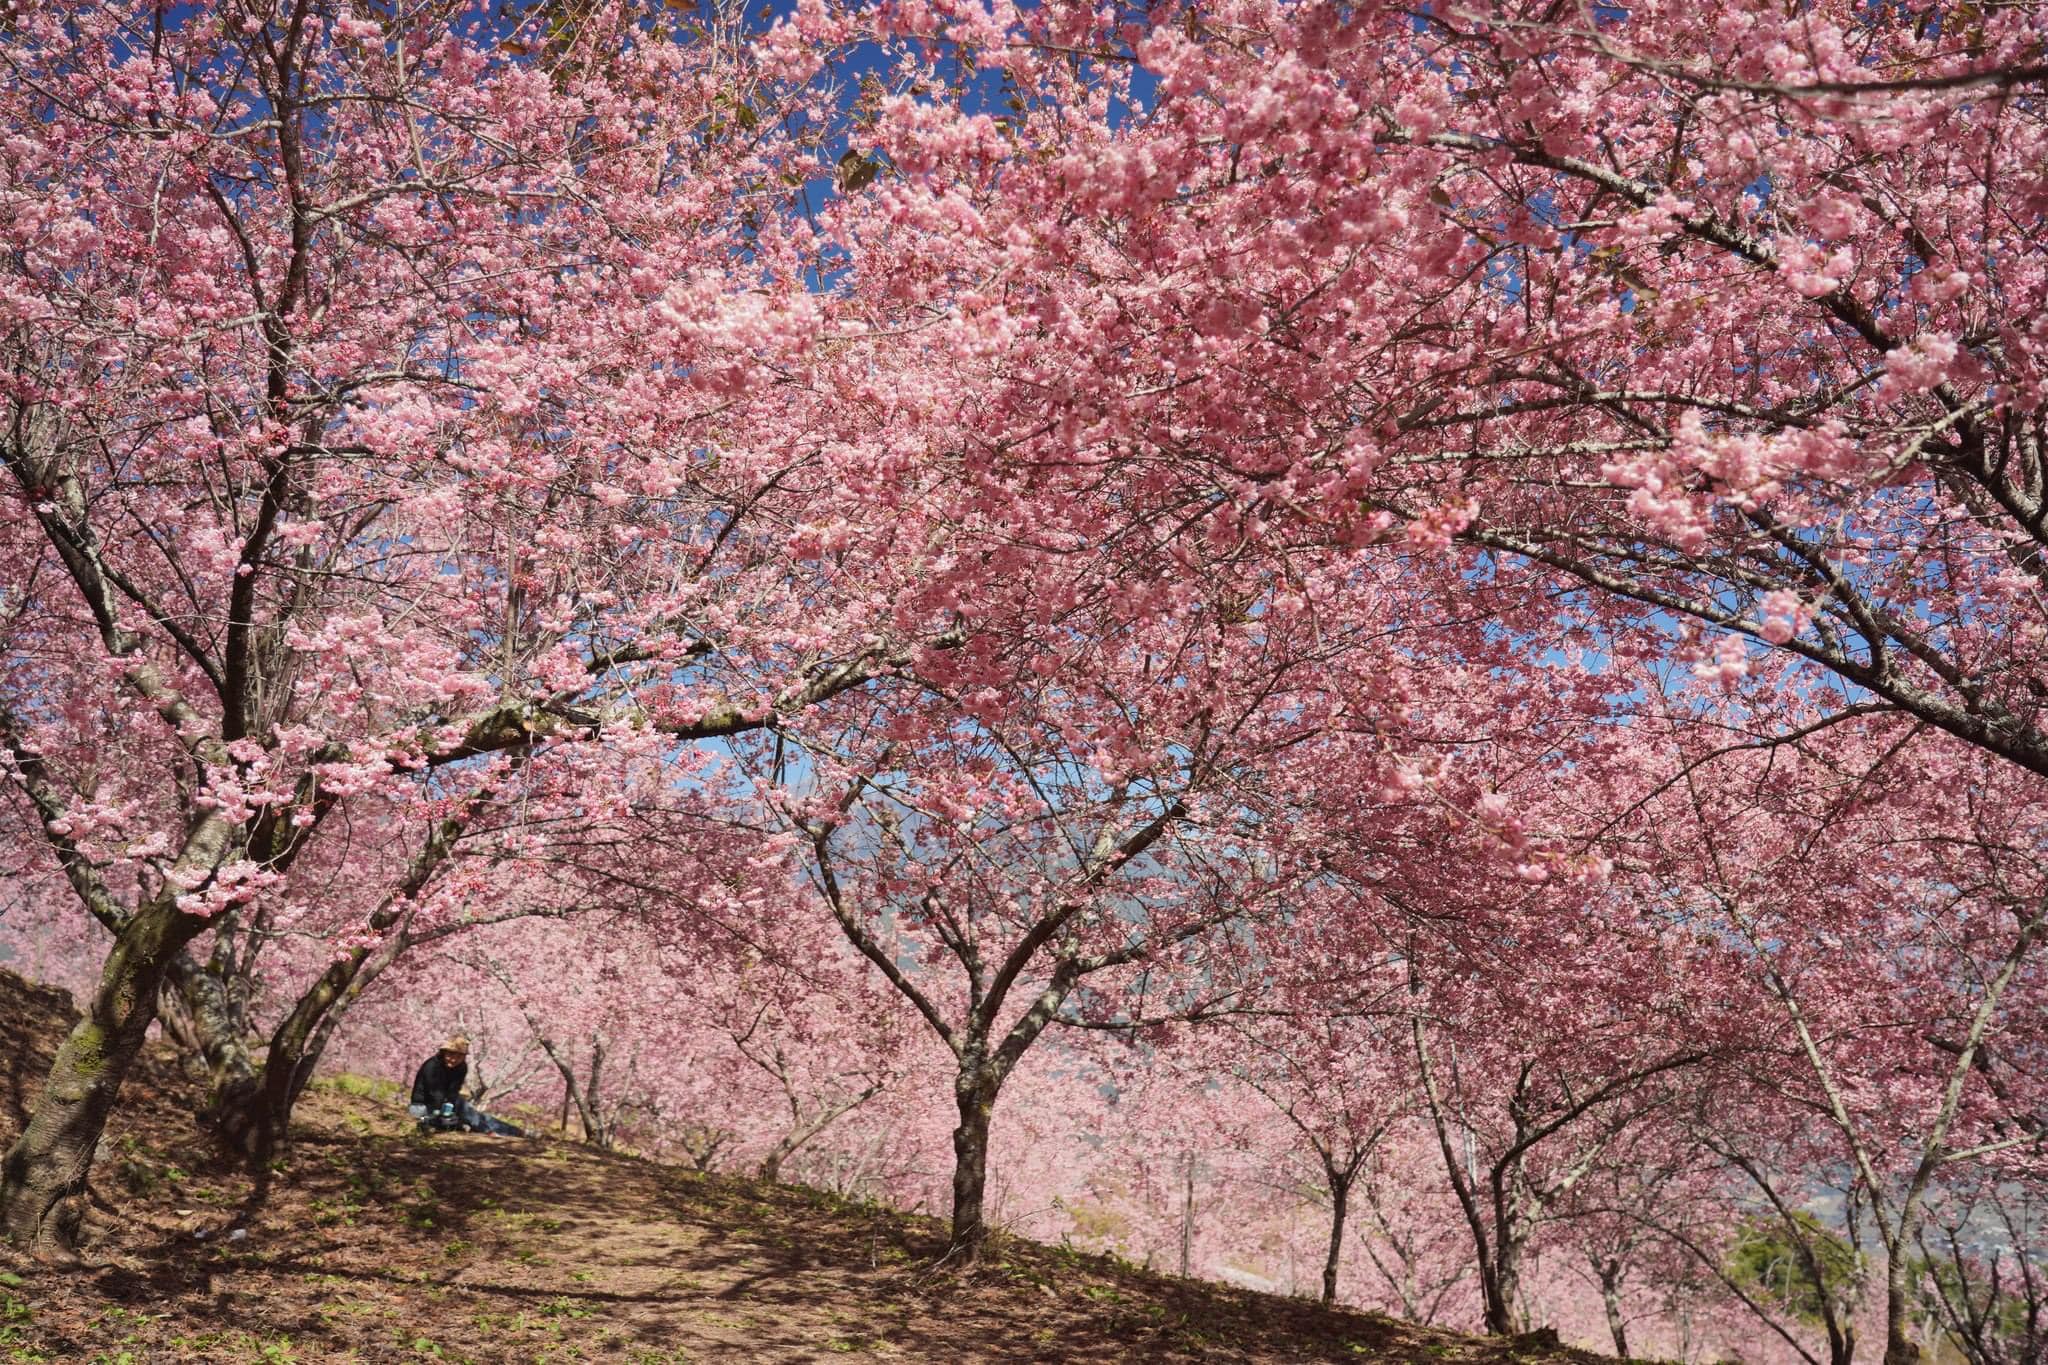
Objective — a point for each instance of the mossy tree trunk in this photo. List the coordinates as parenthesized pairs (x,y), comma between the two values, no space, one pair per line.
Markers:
(42,1179)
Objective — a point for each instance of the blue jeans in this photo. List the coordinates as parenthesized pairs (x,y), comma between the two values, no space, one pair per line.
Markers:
(473,1119)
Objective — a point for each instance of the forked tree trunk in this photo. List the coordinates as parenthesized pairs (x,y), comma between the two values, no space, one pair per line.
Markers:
(42,1178)
(250,1121)
(785,1147)
(597,1130)
(1497,1258)
(252,1116)
(251,1108)
(802,1130)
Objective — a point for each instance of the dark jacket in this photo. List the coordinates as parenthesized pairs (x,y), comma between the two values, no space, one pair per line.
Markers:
(437,1084)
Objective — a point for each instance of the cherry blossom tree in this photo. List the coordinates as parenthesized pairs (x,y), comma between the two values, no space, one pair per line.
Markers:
(1520,1127)
(1657,1185)
(321,282)
(1720,322)
(1409,1232)
(1888,926)
(1471,578)
(1071,810)
(1020,868)
(1343,1084)
(786,1035)
(1984,1253)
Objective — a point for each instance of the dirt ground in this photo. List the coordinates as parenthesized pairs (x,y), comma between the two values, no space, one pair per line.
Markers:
(375,1244)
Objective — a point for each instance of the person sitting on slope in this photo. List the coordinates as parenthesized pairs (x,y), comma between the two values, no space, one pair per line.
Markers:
(438,1083)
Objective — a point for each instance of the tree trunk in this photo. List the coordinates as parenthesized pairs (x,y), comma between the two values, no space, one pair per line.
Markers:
(975,1094)
(784,1148)
(252,1117)
(701,1145)
(802,1130)
(1340,1208)
(1899,1346)
(1610,1296)
(600,1128)
(213,997)
(1498,1299)
(1187,1221)
(252,1108)
(1502,1284)
(595,1131)
(42,1178)
(197,1013)
(251,1112)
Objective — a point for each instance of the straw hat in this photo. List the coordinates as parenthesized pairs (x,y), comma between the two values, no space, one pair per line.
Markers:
(458,1045)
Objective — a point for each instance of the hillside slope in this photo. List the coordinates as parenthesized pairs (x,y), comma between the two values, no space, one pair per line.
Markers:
(378,1245)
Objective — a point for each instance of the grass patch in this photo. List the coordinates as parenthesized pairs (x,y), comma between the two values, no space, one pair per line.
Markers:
(372,1088)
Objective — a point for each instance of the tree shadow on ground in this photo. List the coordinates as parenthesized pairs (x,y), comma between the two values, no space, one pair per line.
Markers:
(375,1243)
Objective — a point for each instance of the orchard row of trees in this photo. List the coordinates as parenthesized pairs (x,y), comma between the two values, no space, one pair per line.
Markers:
(1301,594)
